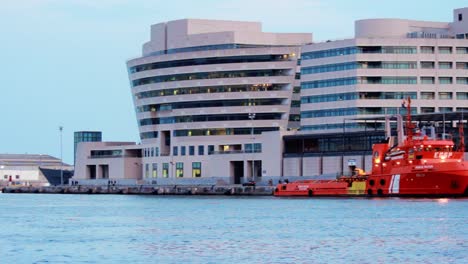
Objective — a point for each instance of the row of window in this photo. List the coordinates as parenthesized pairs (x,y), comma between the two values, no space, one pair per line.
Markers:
(380,65)
(443,80)
(359,80)
(211,89)
(208,61)
(208,118)
(380,80)
(106,153)
(210,75)
(380,49)
(207,104)
(355,111)
(222,131)
(382,96)
(214,47)
(211,132)
(179,170)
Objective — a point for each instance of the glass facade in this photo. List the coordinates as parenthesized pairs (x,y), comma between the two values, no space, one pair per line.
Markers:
(210,47)
(211,89)
(209,75)
(208,61)
(85,136)
(207,104)
(207,118)
(360,49)
(221,131)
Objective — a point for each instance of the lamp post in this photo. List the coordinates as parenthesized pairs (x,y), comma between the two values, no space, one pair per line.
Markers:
(252,117)
(61,156)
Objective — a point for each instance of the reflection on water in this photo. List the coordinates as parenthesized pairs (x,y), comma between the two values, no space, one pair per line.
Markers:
(39,228)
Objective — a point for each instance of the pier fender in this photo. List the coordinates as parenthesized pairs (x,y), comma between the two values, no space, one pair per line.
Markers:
(310,193)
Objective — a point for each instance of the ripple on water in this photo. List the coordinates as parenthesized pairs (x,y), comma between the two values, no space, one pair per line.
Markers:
(138,229)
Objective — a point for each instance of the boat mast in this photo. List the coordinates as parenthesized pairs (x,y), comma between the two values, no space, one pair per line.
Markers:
(409,125)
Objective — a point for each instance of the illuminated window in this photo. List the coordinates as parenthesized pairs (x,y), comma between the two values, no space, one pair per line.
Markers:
(179,169)
(155,170)
(165,170)
(196,169)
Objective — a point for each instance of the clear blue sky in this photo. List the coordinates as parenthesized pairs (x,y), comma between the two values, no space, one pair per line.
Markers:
(63,61)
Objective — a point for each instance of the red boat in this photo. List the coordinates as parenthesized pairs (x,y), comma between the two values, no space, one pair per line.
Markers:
(418,165)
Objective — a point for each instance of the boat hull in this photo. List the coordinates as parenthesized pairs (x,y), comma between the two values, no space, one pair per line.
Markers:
(425,183)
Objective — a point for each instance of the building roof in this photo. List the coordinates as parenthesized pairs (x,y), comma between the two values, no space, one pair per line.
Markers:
(30,159)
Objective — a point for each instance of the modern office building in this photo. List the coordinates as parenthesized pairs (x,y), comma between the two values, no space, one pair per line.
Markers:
(206,88)
(220,99)
(387,61)
(85,136)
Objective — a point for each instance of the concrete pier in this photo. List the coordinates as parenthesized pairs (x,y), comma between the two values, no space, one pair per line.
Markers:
(148,190)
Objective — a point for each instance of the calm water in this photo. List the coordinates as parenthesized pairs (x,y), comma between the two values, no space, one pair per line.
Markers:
(44,228)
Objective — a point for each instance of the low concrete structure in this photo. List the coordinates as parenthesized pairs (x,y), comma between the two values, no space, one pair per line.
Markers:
(32,170)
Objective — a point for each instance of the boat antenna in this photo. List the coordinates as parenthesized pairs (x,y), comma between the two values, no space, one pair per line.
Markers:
(461,133)
(409,126)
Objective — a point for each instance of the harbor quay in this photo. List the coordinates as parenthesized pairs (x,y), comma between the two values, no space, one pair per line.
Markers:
(147,190)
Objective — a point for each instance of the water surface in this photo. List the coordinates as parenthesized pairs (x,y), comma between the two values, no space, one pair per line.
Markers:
(48,228)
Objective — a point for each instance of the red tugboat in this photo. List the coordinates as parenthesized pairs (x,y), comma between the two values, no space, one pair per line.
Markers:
(418,165)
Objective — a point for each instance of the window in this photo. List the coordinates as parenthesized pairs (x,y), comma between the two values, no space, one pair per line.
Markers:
(165,170)
(201,150)
(427,80)
(445,65)
(155,170)
(191,150)
(17,177)
(196,169)
(460,17)
(257,147)
(445,109)
(427,95)
(445,95)
(462,50)
(445,80)
(462,96)
(157,151)
(445,50)
(462,80)
(179,169)
(427,50)
(175,151)
(5,176)
(462,65)
(210,149)
(248,148)
(146,170)
(427,109)
(427,65)
(182,151)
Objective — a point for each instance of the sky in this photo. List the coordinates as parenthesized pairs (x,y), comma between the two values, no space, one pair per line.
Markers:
(63,61)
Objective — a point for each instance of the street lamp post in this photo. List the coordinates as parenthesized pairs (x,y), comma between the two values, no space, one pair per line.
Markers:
(61,156)
(252,117)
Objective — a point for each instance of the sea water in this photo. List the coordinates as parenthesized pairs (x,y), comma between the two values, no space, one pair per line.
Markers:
(55,228)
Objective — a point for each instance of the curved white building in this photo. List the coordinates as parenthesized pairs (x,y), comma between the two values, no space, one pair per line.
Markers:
(213,99)
(390,59)
(202,87)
